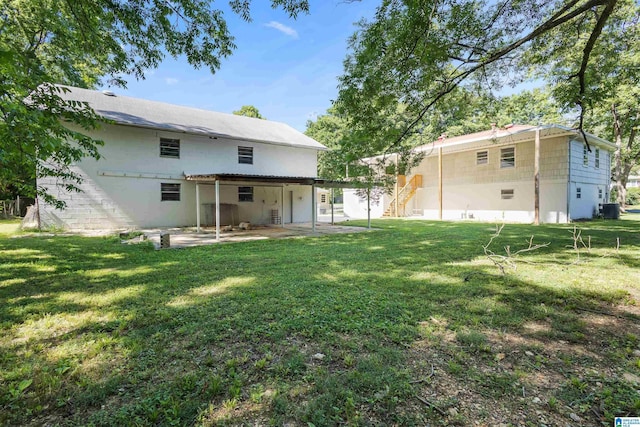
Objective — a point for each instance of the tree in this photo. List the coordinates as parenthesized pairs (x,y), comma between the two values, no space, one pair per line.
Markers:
(613,92)
(80,43)
(249,111)
(418,53)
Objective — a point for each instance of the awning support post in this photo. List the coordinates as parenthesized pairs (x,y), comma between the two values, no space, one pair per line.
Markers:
(314,208)
(197,207)
(369,208)
(217,210)
(282,208)
(331,200)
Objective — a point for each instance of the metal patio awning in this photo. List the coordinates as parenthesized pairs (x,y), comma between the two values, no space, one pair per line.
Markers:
(274,179)
(232,177)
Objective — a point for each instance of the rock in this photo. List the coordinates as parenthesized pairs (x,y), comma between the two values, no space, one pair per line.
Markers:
(452,412)
(528,353)
(631,377)
(318,356)
(536,400)
(636,353)
(500,356)
(227,228)
(244,226)
(575,417)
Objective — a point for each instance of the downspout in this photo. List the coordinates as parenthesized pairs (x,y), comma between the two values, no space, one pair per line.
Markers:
(569,183)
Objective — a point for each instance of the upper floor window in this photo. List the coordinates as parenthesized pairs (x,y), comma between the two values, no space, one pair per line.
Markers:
(585,156)
(597,158)
(482,157)
(508,157)
(245,155)
(170,148)
(169,192)
(245,194)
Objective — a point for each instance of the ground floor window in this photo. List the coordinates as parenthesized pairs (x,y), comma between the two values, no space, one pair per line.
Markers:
(578,193)
(506,194)
(169,192)
(245,194)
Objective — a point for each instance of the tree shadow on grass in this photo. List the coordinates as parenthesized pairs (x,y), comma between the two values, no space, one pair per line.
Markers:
(212,329)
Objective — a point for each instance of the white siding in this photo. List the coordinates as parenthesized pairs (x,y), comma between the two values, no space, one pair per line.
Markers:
(588,179)
(111,200)
(356,207)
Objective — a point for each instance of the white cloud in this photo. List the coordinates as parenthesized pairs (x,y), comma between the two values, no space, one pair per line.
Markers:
(283,29)
(170,80)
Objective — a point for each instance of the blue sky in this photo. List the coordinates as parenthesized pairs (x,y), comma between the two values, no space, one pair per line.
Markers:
(287,68)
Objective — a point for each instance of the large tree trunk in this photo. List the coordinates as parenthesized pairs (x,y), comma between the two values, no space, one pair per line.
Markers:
(618,173)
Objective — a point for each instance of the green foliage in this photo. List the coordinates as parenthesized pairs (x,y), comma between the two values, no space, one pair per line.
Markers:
(417,54)
(114,334)
(610,95)
(249,111)
(81,43)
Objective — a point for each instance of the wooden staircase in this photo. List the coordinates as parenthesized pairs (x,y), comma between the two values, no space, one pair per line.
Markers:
(405,194)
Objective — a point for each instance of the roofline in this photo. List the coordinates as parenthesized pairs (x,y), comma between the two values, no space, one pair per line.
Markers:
(567,131)
(215,135)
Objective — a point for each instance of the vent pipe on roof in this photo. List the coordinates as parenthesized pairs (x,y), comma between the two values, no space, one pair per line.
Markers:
(108,93)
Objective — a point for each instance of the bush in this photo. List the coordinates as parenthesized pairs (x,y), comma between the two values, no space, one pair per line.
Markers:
(633,196)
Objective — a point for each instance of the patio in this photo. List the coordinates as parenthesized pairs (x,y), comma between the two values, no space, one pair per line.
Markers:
(189,237)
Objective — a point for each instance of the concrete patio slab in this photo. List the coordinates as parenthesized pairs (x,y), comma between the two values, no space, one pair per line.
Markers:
(188,237)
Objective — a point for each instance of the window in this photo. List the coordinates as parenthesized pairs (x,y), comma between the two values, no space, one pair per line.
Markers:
(323,198)
(245,194)
(245,155)
(578,193)
(585,156)
(597,158)
(599,193)
(170,148)
(506,194)
(169,192)
(482,157)
(508,157)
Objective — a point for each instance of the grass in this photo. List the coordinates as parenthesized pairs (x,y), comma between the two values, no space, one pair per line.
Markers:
(341,329)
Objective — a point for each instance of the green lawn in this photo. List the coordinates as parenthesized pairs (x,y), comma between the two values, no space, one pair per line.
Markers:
(408,325)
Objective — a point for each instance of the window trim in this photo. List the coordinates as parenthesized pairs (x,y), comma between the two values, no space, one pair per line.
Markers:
(165,192)
(585,156)
(244,191)
(504,165)
(170,141)
(507,193)
(246,157)
(479,158)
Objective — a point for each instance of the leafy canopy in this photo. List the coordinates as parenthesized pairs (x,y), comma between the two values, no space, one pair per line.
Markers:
(249,111)
(82,43)
(417,53)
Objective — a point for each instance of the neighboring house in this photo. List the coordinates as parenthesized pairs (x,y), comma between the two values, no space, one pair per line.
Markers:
(489,176)
(633,181)
(162,165)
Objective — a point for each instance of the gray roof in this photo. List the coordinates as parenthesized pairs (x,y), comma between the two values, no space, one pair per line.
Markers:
(162,116)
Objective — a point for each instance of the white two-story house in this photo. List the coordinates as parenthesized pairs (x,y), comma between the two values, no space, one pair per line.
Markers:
(165,165)
(491,176)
